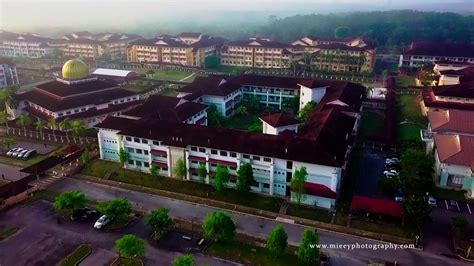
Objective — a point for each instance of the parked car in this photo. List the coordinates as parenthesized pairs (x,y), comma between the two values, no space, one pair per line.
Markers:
(101,222)
(11,151)
(83,215)
(432,201)
(454,206)
(390,171)
(392,160)
(21,153)
(15,153)
(28,154)
(390,175)
(399,196)
(395,167)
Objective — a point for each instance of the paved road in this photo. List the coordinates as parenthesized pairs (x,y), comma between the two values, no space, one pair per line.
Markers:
(261,226)
(10,173)
(41,241)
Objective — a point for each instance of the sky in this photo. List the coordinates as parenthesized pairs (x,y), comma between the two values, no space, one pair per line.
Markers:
(60,15)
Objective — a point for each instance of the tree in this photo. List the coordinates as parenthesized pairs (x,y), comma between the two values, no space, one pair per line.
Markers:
(39,125)
(416,210)
(123,156)
(211,61)
(417,170)
(52,124)
(7,142)
(297,183)
(277,241)
(116,209)
(130,246)
(221,177)
(184,260)
(77,127)
(460,223)
(218,226)
(85,156)
(202,172)
(24,121)
(304,113)
(256,127)
(342,32)
(252,104)
(159,220)
(215,118)
(71,201)
(241,110)
(244,177)
(65,125)
(389,185)
(153,170)
(291,104)
(180,168)
(4,118)
(307,251)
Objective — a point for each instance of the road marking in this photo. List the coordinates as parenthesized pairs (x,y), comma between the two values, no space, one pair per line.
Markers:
(183,79)
(468,208)
(445,202)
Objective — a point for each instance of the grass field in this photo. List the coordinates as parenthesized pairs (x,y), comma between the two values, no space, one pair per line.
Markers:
(76,256)
(394,230)
(99,168)
(168,91)
(122,261)
(409,117)
(404,81)
(242,122)
(372,124)
(309,213)
(164,74)
(250,255)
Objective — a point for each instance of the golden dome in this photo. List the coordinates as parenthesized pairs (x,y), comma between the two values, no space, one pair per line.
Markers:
(75,69)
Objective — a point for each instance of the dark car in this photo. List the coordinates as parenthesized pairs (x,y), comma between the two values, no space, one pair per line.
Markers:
(83,215)
(454,206)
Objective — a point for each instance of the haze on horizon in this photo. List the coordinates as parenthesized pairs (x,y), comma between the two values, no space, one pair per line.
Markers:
(55,17)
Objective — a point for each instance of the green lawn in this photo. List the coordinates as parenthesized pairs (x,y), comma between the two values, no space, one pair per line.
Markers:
(394,230)
(164,74)
(6,233)
(126,262)
(372,124)
(404,81)
(242,122)
(309,213)
(168,92)
(408,131)
(76,256)
(409,111)
(250,255)
(99,168)
(229,69)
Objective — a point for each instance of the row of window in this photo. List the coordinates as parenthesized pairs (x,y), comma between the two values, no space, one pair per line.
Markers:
(109,141)
(137,151)
(139,140)
(139,163)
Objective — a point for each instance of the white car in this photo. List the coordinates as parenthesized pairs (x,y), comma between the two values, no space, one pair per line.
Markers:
(21,153)
(390,175)
(390,171)
(432,201)
(101,222)
(9,153)
(15,153)
(392,160)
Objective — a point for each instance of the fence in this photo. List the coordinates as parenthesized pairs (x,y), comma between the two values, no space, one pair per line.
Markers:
(46,136)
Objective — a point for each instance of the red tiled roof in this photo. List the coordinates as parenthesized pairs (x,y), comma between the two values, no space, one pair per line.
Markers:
(440,49)
(451,120)
(379,206)
(279,120)
(463,90)
(455,149)
(61,89)
(430,101)
(319,190)
(211,85)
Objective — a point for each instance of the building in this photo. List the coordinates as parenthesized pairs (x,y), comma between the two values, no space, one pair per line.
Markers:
(93,46)
(277,123)
(221,92)
(455,76)
(178,110)
(321,144)
(186,49)
(336,55)
(422,53)
(8,74)
(74,95)
(256,53)
(459,96)
(24,45)
(115,75)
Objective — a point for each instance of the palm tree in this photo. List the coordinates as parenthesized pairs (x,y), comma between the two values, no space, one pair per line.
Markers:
(24,121)
(40,124)
(77,127)
(4,117)
(65,125)
(52,125)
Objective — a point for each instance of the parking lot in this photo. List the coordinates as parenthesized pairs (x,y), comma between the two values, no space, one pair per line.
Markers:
(39,147)
(42,241)
(10,173)
(370,172)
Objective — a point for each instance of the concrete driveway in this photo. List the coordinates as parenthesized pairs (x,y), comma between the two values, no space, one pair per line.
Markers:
(41,241)
(255,225)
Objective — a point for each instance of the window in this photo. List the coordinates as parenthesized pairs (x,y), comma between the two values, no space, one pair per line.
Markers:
(130,150)
(144,141)
(137,140)
(146,164)
(128,138)
(256,158)
(233,168)
(138,151)
(213,151)
(139,163)
(289,165)
(213,164)
(145,152)
(233,154)
(266,159)
(130,161)
(202,150)
(194,148)
(246,156)
(265,185)
(156,143)
(223,153)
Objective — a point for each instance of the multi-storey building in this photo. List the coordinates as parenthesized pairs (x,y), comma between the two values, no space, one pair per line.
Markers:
(84,48)
(422,53)
(24,45)
(336,55)
(186,49)
(321,145)
(256,53)
(8,74)
(74,95)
